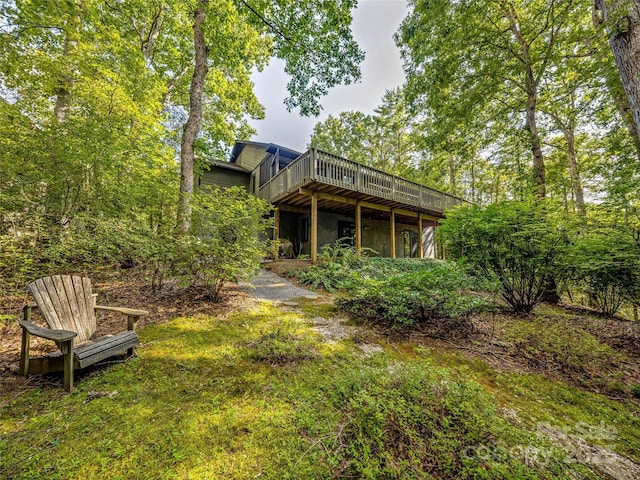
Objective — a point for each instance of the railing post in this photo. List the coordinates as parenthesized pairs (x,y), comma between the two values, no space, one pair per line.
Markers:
(314,165)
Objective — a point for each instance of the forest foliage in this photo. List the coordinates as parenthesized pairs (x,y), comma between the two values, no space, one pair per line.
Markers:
(93,102)
(503,102)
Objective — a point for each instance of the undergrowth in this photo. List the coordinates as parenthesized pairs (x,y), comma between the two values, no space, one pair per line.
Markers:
(399,291)
(217,398)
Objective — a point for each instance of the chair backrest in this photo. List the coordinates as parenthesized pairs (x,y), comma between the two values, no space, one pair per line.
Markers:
(67,304)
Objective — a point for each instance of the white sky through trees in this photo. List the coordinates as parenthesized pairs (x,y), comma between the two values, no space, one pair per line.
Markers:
(374,23)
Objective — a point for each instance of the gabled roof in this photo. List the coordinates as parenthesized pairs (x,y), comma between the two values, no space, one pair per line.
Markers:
(284,152)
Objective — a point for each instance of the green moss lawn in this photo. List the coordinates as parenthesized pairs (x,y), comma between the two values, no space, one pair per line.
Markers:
(258,393)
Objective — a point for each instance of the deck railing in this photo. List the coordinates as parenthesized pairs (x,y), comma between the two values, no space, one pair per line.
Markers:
(318,166)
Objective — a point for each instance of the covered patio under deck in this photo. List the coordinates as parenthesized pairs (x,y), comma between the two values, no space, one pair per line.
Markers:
(320,185)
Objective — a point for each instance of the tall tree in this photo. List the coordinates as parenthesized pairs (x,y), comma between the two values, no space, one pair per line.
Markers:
(313,37)
(81,127)
(465,58)
(192,125)
(382,140)
(621,20)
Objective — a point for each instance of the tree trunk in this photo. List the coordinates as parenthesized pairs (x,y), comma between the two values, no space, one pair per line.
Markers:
(532,126)
(65,81)
(616,90)
(574,170)
(622,22)
(453,187)
(531,88)
(192,125)
(148,43)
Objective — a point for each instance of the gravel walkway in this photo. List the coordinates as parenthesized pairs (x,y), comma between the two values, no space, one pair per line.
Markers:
(269,286)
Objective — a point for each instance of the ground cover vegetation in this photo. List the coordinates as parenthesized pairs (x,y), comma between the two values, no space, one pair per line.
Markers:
(257,391)
(396,292)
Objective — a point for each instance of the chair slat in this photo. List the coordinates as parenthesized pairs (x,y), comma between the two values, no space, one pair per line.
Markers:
(83,284)
(39,291)
(85,328)
(58,296)
(67,285)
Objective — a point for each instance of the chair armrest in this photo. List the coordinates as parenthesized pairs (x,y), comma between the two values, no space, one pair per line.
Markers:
(55,335)
(132,315)
(130,312)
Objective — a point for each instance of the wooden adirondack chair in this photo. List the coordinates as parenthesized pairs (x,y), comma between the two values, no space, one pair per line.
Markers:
(68,306)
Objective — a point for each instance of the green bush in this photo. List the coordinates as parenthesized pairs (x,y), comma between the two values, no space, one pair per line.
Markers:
(440,291)
(341,269)
(224,244)
(607,264)
(517,243)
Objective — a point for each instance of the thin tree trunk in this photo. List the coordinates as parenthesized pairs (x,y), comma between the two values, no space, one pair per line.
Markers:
(148,43)
(532,126)
(453,187)
(192,125)
(574,170)
(65,81)
(622,22)
(531,88)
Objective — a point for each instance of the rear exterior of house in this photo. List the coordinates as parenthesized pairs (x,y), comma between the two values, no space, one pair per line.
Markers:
(320,198)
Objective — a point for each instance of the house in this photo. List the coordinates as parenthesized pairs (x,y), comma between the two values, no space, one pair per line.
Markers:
(320,198)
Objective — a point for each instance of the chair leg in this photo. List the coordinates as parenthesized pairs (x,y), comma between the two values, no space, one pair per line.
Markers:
(131,326)
(67,350)
(24,353)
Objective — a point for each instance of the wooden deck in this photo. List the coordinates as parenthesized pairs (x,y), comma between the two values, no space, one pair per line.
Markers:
(320,171)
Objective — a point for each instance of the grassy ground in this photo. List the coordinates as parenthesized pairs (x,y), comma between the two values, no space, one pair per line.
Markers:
(257,393)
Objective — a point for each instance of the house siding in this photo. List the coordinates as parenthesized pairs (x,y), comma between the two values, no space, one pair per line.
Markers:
(250,157)
(224,178)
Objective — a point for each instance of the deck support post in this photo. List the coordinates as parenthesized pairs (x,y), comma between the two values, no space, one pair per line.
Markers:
(276,232)
(314,228)
(420,240)
(392,228)
(358,228)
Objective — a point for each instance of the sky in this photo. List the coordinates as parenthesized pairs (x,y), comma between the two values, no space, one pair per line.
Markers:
(374,23)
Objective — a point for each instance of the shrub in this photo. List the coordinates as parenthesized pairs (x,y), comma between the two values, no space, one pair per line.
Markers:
(224,244)
(280,348)
(607,264)
(346,271)
(516,243)
(417,296)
